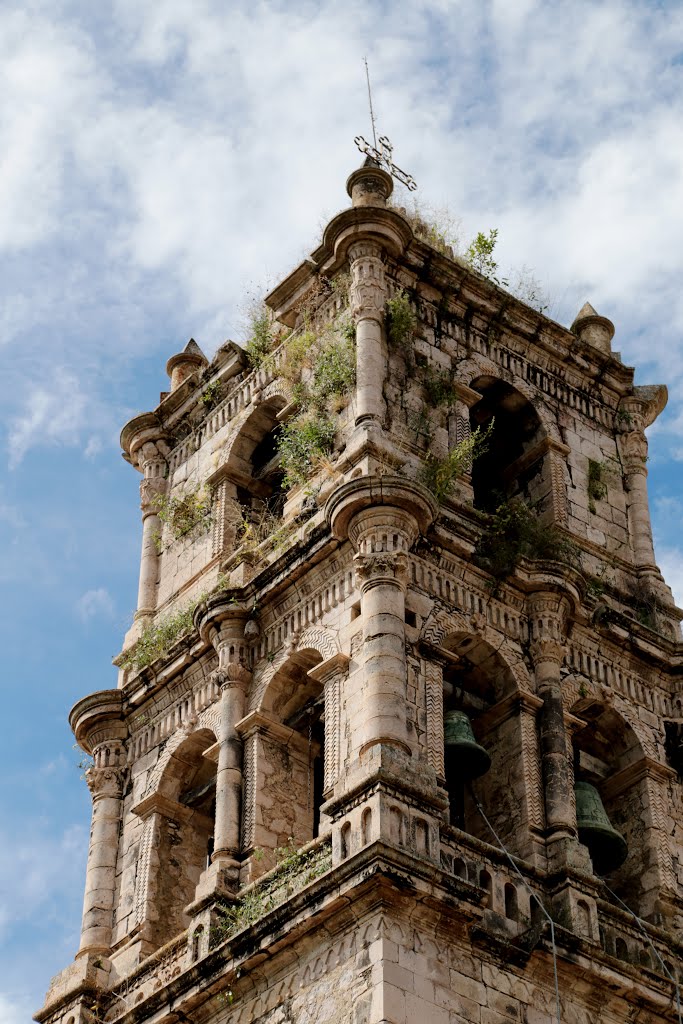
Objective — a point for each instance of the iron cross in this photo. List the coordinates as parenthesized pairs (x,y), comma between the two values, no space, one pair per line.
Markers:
(383,156)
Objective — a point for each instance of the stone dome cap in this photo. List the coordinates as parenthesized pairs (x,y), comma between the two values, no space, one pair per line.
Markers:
(184,363)
(593,329)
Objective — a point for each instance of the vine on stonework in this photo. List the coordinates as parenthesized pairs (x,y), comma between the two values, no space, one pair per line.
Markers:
(515,531)
(164,632)
(439,474)
(295,869)
(185,512)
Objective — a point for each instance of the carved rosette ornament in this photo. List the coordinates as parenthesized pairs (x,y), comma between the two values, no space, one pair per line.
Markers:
(368,292)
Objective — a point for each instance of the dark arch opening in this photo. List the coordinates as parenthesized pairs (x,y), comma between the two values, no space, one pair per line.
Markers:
(509,467)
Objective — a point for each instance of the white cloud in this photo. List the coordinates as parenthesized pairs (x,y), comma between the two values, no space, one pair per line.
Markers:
(670,561)
(52,413)
(33,884)
(95,603)
(15,1011)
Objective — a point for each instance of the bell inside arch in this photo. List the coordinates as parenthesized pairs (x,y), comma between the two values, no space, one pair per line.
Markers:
(606,846)
(464,757)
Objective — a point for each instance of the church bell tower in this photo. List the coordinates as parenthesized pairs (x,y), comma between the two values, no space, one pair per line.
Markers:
(397,734)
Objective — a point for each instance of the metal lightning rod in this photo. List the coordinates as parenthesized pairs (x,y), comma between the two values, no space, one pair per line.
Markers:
(372,116)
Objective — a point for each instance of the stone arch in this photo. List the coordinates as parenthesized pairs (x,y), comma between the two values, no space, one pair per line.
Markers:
(484,676)
(318,639)
(612,753)
(207,719)
(446,622)
(179,819)
(470,369)
(579,691)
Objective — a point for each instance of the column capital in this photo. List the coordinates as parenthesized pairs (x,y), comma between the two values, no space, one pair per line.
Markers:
(368,292)
(105,782)
(232,675)
(381,567)
(633,445)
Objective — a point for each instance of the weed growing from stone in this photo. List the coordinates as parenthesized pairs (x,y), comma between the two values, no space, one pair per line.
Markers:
(302,443)
(440,474)
(184,512)
(261,340)
(513,532)
(295,870)
(211,394)
(401,320)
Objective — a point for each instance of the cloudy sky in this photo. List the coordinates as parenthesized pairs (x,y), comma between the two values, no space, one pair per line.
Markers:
(160,162)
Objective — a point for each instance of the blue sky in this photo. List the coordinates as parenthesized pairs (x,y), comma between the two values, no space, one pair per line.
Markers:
(162,162)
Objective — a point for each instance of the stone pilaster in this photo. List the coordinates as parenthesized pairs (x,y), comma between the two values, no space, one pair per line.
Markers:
(331,673)
(368,298)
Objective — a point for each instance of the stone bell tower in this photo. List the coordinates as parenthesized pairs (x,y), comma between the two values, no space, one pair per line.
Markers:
(398,732)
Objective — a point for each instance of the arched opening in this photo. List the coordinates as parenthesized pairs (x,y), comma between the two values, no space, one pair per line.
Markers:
(290,757)
(511,902)
(185,806)
(607,753)
(477,682)
(512,465)
(254,467)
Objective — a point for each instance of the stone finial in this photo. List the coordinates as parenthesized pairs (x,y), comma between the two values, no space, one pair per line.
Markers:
(184,363)
(369,185)
(593,329)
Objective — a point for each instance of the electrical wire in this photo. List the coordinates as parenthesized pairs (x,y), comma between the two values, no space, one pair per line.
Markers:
(533,895)
(641,929)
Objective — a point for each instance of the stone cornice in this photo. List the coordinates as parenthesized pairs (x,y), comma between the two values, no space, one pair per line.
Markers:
(99,717)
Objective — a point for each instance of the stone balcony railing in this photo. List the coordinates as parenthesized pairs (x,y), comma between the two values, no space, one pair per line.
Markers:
(296,870)
(493,883)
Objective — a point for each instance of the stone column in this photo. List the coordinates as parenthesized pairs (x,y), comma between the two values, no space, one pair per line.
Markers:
(368,298)
(234,681)
(382,517)
(222,624)
(633,446)
(105,782)
(382,571)
(546,618)
(151,460)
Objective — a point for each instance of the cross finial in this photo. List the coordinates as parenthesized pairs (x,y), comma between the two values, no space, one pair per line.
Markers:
(383,155)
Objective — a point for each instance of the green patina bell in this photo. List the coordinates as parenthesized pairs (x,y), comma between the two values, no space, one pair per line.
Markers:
(464,757)
(606,846)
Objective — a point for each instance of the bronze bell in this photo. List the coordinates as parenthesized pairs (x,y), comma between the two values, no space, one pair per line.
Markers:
(606,846)
(464,757)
